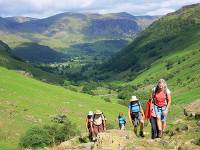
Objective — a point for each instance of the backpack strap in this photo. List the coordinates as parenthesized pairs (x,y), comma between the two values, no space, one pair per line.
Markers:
(94,115)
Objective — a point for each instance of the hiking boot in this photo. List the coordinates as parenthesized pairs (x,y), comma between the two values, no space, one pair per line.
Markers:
(141,134)
(160,134)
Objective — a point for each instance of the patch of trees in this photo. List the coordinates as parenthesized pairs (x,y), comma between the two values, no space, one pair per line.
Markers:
(61,130)
(89,87)
(125,94)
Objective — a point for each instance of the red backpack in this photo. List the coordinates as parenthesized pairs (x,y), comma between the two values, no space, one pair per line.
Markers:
(147,113)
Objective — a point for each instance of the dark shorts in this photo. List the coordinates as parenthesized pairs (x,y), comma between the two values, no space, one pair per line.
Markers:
(136,118)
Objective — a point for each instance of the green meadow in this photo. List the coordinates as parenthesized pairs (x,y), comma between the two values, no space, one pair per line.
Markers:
(26,102)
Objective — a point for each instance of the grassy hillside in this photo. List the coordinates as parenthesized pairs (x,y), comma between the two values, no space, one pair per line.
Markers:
(172,53)
(175,57)
(171,33)
(182,72)
(37,54)
(11,62)
(27,102)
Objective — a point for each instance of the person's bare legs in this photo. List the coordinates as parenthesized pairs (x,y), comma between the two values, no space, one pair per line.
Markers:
(159,123)
(164,124)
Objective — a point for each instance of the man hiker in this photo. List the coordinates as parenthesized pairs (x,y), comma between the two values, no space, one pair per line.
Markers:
(99,122)
(161,102)
(151,115)
(135,114)
(89,125)
(121,121)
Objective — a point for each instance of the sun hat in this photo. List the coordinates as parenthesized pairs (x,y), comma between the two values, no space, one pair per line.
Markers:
(98,112)
(133,99)
(90,113)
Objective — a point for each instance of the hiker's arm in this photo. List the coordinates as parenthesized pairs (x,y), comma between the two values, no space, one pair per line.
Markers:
(168,105)
(169,101)
(142,111)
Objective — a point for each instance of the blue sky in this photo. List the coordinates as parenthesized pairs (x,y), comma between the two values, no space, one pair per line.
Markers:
(45,8)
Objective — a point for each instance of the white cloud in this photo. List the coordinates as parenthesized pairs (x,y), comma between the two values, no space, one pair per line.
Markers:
(161,11)
(43,8)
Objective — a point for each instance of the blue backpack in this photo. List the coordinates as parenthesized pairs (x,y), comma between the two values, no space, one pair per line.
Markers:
(121,120)
(135,107)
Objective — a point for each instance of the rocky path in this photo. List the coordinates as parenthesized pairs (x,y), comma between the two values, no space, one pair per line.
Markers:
(185,135)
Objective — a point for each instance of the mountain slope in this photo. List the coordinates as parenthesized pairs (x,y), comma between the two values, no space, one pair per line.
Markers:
(26,102)
(69,28)
(172,53)
(171,33)
(20,19)
(36,53)
(64,32)
(9,61)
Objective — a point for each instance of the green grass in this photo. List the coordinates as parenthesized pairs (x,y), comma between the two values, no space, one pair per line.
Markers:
(10,62)
(26,102)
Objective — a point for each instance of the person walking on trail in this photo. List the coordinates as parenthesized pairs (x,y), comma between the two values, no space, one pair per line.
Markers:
(122,121)
(135,114)
(161,102)
(99,122)
(89,125)
(151,115)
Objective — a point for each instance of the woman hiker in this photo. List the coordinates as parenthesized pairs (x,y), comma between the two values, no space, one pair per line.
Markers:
(161,99)
(136,114)
(99,122)
(89,125)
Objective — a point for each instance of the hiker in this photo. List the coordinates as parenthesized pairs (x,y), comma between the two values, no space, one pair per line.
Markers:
(161,99)
(89,124)
(151,115)
(99,122)
(135,114)
(122,121)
